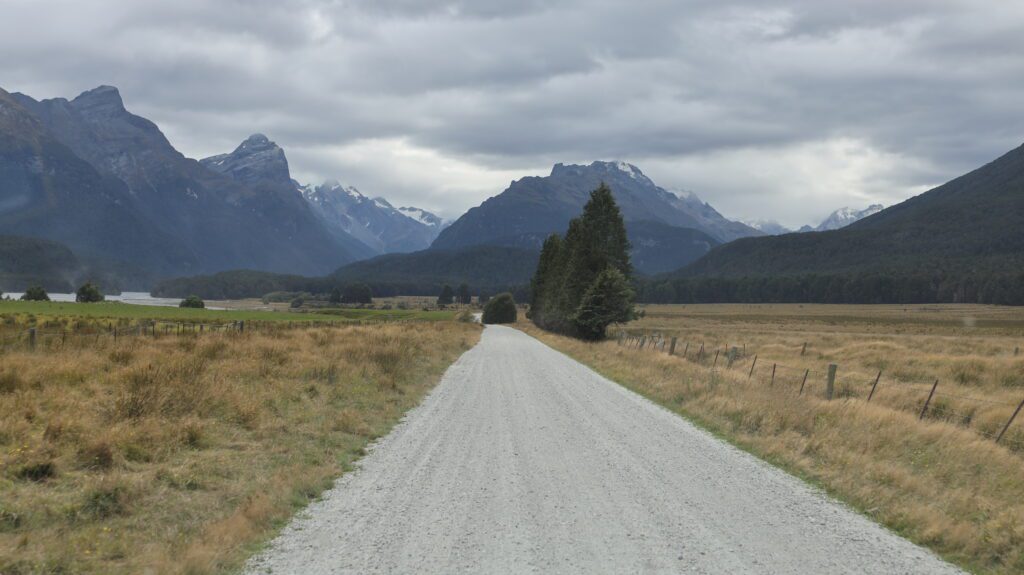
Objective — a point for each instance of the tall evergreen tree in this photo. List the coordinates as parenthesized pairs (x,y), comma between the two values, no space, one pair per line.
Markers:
(569,271)
(608,300)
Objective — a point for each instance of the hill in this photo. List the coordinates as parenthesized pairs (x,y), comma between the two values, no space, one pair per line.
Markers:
(960,242)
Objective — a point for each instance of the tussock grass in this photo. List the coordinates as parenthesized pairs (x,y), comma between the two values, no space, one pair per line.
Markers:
(180,454)
(938,482)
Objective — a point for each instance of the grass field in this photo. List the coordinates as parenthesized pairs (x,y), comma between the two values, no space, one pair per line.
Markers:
(131,311)
(941,481)
(182,453)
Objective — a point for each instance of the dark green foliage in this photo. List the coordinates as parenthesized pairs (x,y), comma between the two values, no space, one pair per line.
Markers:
(297,302)
(608,300)
(336,296)
(192,301)
(32,261)
(582,282)
(490,268)
(994,286)
(357,293)
(35,293)
(88,293)
(500,309)
(464,296)
(447,295)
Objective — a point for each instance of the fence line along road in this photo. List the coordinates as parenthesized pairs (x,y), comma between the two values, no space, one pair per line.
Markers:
(930,390)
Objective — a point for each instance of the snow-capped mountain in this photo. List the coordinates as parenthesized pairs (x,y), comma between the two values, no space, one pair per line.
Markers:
(846,216)
(769,227)
(424,217)
(373,221)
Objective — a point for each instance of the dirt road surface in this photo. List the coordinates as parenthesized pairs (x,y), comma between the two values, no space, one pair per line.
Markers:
(525,461)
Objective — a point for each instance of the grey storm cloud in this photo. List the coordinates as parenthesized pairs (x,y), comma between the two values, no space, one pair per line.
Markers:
(767,109)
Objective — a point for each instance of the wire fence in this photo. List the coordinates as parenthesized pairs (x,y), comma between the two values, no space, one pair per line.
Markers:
(928,399)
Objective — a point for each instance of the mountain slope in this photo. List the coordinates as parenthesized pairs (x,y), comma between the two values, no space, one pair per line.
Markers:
(223,222)
(487,268)
(532,208)
(373,221)
(47,191)
(973,221)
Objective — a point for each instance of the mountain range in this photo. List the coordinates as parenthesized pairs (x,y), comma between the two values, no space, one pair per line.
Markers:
(836,220)
(109,185)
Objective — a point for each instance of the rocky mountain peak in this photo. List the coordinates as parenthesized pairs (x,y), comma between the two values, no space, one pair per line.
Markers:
(103,101)
(256,159)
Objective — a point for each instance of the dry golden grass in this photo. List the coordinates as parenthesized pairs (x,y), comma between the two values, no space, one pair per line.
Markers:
(938,482)
(182,454)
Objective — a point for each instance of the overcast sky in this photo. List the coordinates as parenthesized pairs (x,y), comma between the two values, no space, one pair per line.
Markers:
(773,110)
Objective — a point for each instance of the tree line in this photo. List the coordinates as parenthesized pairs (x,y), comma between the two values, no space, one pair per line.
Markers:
(582,282)
(993,287)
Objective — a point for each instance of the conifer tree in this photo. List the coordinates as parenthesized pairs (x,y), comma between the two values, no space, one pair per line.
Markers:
(573,290)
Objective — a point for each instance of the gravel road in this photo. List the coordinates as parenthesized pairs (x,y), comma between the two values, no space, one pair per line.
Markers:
(525,461)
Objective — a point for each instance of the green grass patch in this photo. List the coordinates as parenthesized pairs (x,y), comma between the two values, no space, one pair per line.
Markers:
(117,310)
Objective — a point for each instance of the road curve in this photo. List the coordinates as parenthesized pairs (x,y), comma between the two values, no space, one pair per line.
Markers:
(524,461)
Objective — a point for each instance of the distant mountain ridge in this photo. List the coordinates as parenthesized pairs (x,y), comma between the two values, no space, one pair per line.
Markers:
(190,218)
(344,211)
(373,221)
(531,208)
(836,220)
(846,216)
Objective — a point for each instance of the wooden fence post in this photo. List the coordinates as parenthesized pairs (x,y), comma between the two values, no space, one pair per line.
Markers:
(804,382)
(241,326)
(831,385)
(749,375)
(878,377)
(32,338)
(772,383)
(687,349)
(804,350)
(700,354)
(1012,417)
(716,358)
(643,340)
(924,409)
(672,347)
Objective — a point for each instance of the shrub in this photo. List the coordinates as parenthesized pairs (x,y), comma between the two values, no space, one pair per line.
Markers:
(88,293)
(37,471)
(500,309)
(297,302)
(192,301)
(35,293)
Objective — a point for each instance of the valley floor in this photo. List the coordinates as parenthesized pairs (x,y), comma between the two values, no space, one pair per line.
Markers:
(525,461)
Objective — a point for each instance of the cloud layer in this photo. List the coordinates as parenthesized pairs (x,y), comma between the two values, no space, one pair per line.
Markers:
(782,110)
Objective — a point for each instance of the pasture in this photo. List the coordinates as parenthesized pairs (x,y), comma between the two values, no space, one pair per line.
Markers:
(181,452)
